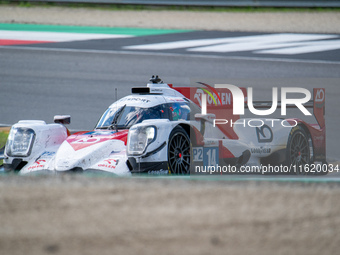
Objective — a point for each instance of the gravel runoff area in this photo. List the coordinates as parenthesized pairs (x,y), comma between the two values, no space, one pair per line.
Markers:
(95,215)
(300,21)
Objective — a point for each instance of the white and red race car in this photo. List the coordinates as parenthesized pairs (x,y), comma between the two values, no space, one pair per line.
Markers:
(159,130)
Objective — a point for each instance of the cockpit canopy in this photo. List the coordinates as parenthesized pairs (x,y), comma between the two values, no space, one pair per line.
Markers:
(124,116)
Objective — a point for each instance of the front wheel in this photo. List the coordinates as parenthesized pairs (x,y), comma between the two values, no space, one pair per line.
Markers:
(179,151)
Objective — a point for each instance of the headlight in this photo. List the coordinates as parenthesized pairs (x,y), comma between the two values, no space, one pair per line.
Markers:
(139,138)
(20,142)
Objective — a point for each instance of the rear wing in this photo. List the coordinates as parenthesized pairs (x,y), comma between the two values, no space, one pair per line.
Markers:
(319,105)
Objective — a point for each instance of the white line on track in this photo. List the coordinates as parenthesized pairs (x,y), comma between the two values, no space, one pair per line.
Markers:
(55,36)
(163,54)
(246,42)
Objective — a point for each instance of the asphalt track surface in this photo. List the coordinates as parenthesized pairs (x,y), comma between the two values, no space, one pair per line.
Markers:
(79,78)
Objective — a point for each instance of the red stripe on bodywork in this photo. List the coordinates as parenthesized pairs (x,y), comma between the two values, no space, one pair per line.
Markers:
(85,139)
(4,42)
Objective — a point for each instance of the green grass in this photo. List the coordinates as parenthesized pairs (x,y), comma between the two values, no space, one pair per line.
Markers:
(129,7)
(3,139)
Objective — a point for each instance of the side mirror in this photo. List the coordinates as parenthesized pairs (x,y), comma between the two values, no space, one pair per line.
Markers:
(209,117)
(203,118)
(62,119)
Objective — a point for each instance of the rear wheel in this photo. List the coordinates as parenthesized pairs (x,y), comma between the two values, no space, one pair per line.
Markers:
(299,151)
(179,151)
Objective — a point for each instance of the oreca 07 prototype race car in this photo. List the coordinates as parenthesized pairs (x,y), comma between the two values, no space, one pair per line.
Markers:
(158,129)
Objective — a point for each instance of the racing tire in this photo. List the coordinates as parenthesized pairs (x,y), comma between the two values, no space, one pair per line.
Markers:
(179,151)
(299,151)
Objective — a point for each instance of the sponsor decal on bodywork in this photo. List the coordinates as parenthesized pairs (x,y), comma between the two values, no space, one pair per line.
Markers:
(87,139)
(39,164)
(260,150)
(109,163)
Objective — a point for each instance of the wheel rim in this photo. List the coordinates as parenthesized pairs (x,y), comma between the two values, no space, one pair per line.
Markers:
(179,154)
(299,150)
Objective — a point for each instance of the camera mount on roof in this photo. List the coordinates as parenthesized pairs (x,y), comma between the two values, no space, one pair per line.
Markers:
(155,79)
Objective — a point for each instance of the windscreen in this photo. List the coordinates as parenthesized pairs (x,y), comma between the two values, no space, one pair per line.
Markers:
(125,116)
